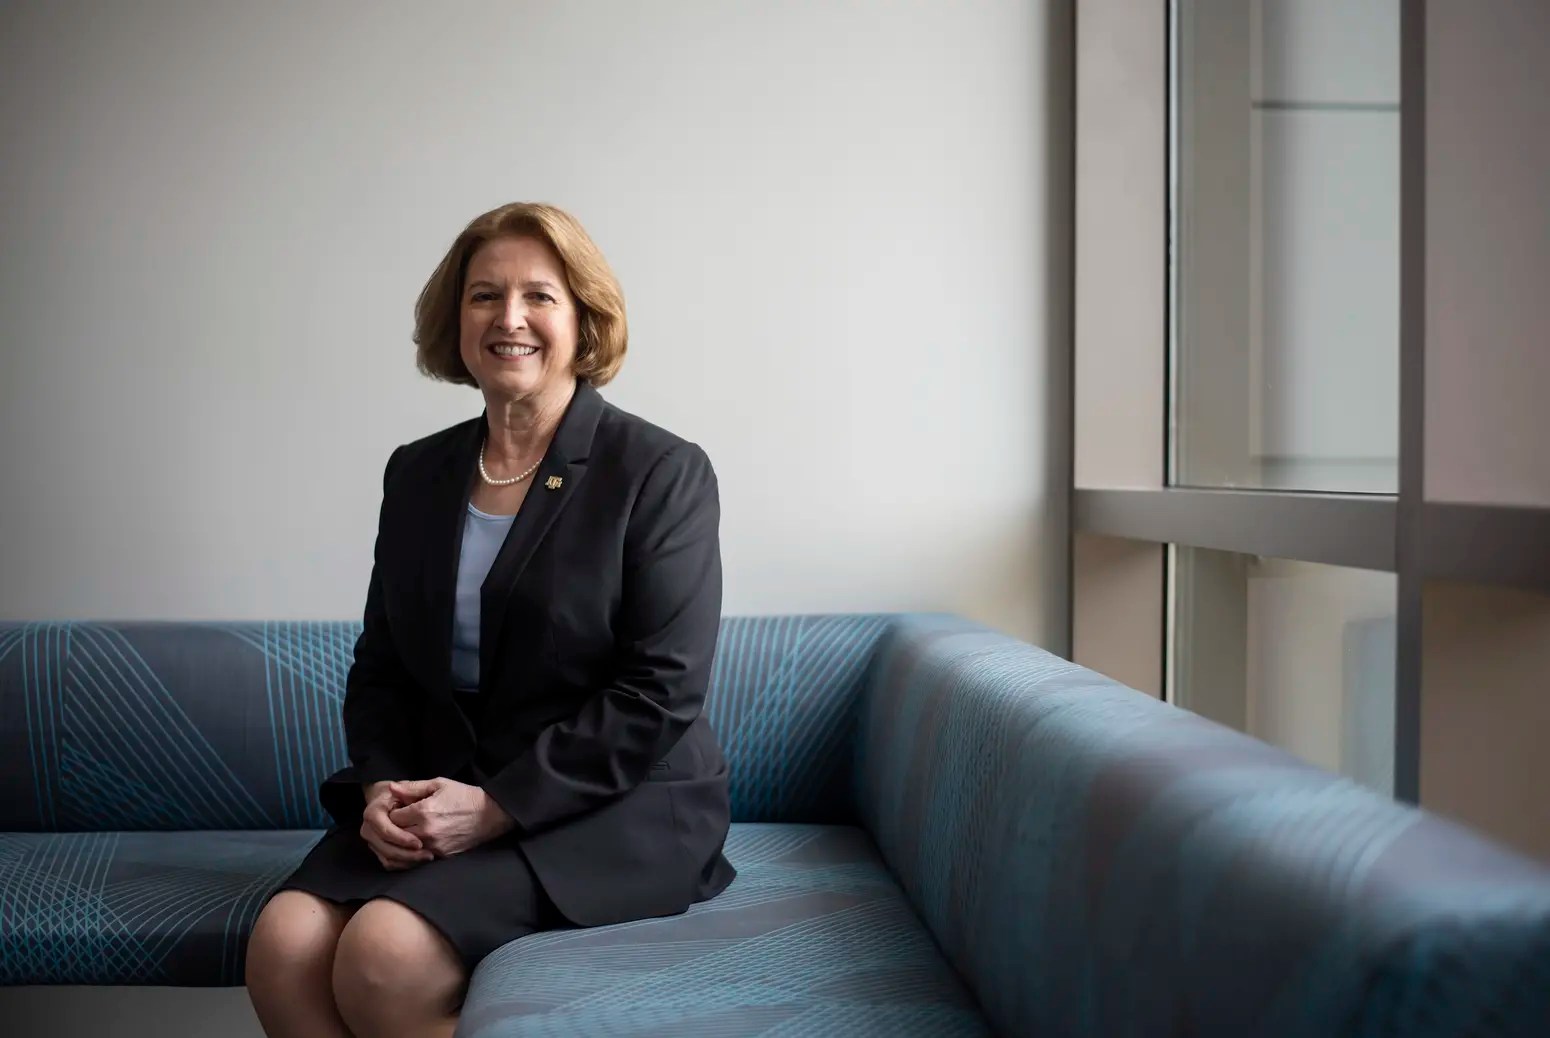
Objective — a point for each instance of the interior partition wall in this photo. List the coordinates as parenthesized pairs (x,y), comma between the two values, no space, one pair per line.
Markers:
(1311,382)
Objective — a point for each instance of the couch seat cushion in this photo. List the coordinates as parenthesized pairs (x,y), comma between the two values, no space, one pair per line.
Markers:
(814,937)
(137,908)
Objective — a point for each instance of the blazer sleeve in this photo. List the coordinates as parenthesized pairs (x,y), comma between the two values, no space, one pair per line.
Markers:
(377,705)
(665,636)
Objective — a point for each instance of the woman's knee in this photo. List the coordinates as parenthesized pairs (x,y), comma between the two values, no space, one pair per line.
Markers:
(294,937)
(392,963)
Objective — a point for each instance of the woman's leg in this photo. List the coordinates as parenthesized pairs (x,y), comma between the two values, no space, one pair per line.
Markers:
(291,964)
(396,975)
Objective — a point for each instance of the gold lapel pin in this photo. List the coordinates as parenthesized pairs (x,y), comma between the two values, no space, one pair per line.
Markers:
(554,482)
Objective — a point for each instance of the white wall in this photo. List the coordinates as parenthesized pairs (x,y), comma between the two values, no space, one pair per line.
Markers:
(839,226)
(835,223)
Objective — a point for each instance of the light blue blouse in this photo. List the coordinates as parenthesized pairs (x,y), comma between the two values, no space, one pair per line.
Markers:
(483,535)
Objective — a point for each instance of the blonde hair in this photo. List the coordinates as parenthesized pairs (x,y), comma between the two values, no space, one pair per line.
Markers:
(602,332)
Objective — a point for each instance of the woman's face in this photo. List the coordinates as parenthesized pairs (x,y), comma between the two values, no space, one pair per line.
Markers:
(518,320)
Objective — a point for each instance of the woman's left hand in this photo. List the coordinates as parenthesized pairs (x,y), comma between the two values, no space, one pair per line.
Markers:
(449,817)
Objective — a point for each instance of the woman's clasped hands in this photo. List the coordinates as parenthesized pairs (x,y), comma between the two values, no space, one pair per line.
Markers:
(409,823)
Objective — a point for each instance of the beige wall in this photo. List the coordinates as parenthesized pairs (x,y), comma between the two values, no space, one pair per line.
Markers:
(840,231)
(1487,253)
(1117,610)
(1121,243)
(1120,331)
(1485,711)
(1484,708)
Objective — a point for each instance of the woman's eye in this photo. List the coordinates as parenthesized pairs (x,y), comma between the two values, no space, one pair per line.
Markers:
(545,296)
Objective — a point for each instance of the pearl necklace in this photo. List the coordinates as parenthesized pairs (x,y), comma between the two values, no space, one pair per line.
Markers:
(485,474)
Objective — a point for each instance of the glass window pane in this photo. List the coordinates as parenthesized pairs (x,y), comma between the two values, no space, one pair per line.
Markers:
(1297,654)
(1285,273)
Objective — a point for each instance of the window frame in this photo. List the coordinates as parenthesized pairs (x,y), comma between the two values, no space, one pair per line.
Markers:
(1115,115)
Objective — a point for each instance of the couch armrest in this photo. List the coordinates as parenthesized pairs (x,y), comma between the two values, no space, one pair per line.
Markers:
(1095,862)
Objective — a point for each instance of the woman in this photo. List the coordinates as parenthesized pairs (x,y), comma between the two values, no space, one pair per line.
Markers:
(523,715)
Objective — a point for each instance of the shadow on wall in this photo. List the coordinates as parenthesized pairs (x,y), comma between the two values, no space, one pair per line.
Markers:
(1052,540)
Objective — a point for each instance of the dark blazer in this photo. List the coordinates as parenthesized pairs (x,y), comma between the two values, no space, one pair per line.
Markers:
(598,623)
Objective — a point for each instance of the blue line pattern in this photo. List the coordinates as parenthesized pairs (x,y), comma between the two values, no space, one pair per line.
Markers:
(137,907)
(812,938)
(170,726)
(305,667)
(783,697)
(1098,863)
(939,831)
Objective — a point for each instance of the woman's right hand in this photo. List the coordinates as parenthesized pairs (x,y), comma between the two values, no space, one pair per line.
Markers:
(396,849)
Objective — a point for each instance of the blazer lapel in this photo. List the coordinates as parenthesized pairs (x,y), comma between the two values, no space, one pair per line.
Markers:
(554,484)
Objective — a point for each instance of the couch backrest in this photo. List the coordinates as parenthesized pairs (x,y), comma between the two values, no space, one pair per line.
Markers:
(122,726)
(1096,862)
(784,696)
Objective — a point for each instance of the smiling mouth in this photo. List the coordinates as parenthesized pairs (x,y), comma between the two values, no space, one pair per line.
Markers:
(510,351)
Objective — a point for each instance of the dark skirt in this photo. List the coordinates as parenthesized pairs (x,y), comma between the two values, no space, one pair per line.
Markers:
(479,900)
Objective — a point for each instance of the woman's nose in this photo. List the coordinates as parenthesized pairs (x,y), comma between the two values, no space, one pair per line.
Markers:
(513,315)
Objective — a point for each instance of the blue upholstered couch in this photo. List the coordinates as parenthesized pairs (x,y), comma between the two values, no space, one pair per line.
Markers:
(940,831)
